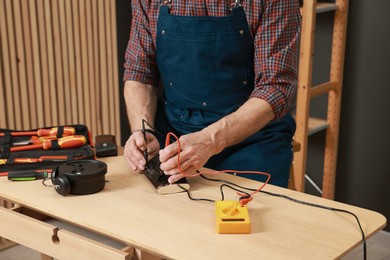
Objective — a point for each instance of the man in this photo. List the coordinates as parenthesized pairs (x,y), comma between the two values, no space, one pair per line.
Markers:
(229,75)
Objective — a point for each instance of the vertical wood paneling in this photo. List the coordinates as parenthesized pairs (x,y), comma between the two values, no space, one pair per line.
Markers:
(86,101)
(95,46)
(77,57)
(29,66)
(72,88)
(58,64)
(92,64)
(21,64)
(36,63)
(3,121)
(113,37)
(12,63)
(65,65)
(44,62)
(110,75)
(103,65)
(6,70)
(52,102)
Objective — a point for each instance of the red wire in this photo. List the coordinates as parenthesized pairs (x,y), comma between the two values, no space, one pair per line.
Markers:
(167,141)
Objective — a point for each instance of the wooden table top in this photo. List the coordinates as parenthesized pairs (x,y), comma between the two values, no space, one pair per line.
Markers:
(172,226)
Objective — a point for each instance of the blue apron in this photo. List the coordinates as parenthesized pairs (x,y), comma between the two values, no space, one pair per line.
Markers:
(206,64)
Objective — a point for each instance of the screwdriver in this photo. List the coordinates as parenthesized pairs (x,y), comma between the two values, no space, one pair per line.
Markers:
(44,132)
(28,175)
(36,160)
(72,141)
(35,140)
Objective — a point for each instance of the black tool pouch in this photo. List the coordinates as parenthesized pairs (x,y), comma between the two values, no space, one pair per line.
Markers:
(39,158)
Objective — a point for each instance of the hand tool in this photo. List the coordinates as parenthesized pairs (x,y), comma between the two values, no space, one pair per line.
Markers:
(72,141)
(36,160)
(35,140)
(28,175)
(45,132)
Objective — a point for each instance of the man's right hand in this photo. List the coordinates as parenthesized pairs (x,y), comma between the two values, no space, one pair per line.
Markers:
(135,147)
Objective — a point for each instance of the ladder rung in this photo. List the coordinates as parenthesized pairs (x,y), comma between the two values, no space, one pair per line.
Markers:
(316,125)
(322,89)
(326,7)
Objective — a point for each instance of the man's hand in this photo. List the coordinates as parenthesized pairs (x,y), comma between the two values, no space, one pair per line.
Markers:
(196,149)
(135,147)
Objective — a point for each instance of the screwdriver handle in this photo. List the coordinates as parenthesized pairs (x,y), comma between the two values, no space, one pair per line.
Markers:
(41,139)
(45,132)
(53,131)
(72,141)
(41,159)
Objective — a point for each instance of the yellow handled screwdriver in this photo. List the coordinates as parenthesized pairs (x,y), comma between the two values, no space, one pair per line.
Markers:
(45,132)
(35,140)
(37,160)
(72,141)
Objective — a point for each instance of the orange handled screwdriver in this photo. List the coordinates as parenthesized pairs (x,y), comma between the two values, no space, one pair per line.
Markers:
(45,132)
(35,140)
(72,141)
(36,160)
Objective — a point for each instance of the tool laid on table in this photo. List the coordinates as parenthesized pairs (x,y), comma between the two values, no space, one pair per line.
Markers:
(26,175)
(73,141)
(37,160)
(44,132)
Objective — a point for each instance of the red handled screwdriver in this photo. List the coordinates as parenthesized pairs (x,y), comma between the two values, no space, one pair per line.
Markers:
(45,132)
(72,141)
(35,140)
(36,160)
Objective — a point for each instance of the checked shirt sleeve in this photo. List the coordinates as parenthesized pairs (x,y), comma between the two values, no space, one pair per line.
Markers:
(140,57)
(276,55)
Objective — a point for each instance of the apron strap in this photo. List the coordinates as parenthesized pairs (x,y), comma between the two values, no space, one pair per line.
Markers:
(233,4)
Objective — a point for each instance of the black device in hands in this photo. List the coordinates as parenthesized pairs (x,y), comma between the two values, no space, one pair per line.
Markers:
(160,181)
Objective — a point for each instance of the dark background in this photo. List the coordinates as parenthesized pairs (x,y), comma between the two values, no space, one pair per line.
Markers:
(363,176)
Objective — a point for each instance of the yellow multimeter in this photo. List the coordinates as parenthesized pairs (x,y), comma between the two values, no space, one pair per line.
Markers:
(232,218)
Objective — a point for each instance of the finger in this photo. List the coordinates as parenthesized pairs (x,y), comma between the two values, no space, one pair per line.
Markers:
(134,154)
(175,178)
(128,160)
(168,152)
(153,145)
(184,166)
(139,140)
(129,157)
(169,166)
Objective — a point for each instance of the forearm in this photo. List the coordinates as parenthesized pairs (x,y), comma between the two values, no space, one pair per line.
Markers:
(141,103)
(252,116)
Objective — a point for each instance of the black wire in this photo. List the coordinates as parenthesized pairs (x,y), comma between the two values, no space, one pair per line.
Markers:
(304,203)
(225,185)
(210,200)
(172,139)
(146,142)
(192,198)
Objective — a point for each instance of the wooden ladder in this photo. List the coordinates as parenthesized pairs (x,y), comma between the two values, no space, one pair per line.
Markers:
(305,124)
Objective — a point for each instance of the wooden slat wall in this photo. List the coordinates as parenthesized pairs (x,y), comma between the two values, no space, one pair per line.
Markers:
(58,64)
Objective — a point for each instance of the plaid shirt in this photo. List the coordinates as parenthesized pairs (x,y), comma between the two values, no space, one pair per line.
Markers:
(274,24)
